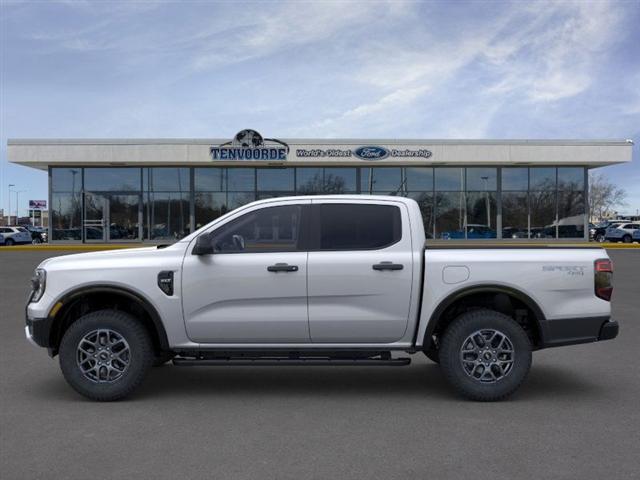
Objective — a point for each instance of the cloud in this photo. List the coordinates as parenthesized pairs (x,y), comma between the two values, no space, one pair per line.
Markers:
(288,26)
(540,53)
(553,56)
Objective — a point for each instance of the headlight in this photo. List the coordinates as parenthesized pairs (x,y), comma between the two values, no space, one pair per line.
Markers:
(38,284)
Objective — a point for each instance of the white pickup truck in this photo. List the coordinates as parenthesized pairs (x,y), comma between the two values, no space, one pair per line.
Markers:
(324,280)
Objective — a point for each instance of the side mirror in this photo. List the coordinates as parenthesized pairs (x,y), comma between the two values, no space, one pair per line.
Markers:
(204,245)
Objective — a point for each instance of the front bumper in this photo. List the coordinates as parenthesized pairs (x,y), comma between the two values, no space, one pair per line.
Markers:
(573,331)
(38,331)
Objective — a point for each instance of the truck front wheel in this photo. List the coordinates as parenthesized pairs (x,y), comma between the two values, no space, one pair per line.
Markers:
(105,355)
(485,355)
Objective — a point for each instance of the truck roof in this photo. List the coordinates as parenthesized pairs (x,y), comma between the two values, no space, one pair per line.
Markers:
(350,197)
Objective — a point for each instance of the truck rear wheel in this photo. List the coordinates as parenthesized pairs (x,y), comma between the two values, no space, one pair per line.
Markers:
(485,355)
(105,355)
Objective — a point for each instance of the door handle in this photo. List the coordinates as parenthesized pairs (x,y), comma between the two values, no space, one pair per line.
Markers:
(282,267)
(388,266)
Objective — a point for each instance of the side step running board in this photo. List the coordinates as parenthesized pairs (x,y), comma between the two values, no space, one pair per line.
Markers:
(342,362)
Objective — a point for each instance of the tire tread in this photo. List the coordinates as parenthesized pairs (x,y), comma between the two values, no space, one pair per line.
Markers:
(139,334)
(460,328)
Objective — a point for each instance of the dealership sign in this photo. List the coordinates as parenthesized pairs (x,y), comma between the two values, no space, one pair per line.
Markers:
(371,153)
(38,204)
(365,152)
(250,145)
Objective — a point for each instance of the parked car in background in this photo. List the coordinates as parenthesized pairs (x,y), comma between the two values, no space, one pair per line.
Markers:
(599,231)
(622,232)
(473,232)
(514,232)
(38,234)
(15,235)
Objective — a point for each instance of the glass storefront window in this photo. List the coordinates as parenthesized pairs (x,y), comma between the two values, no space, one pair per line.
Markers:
(166,179)
(209,179)
(542,178)
(481,215)
(167,216)
(276,179)
(515,215)
(543,214)
(482,179)
(112,179)
(449,207)
(449,179)
(425,201)
(241,179)
(536,202)
(315,181)
(66,179)
(309,181)
(124,220)
(515,179)
(340,180)
(209,206)
(419,178)
(238,199)
(66,216)
(571,214)
(381,180)
(571,178)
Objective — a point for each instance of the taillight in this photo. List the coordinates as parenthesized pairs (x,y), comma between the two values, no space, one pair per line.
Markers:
(603,278)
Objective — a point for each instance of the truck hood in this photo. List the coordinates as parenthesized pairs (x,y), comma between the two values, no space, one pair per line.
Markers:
(128,257)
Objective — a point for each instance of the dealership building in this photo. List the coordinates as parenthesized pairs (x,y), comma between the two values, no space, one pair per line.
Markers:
(159,190)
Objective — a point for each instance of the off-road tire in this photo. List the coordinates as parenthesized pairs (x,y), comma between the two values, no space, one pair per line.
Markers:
(140,359)
(453,341)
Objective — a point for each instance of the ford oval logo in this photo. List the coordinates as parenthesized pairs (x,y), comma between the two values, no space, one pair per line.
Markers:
(371,153)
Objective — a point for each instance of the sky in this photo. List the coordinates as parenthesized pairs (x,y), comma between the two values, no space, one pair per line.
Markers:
(373,69)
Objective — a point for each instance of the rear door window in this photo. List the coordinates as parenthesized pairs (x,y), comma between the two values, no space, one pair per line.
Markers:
(346,226)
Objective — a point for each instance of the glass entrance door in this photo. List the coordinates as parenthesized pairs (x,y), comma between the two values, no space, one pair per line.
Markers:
(112,217)
(95,216)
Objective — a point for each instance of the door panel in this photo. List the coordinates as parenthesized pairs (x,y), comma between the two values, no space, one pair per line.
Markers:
(350,301)
(253,288)
(233,298)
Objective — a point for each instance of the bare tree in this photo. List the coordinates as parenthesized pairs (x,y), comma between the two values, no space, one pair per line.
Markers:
(604,196)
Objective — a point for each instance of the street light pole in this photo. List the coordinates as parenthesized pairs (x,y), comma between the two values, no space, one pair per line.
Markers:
(9,212)
(18,192)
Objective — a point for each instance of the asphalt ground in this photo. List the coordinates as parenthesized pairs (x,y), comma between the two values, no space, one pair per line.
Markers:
(576,416)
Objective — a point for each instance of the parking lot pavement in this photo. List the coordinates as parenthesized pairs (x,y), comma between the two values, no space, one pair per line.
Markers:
(576,416)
